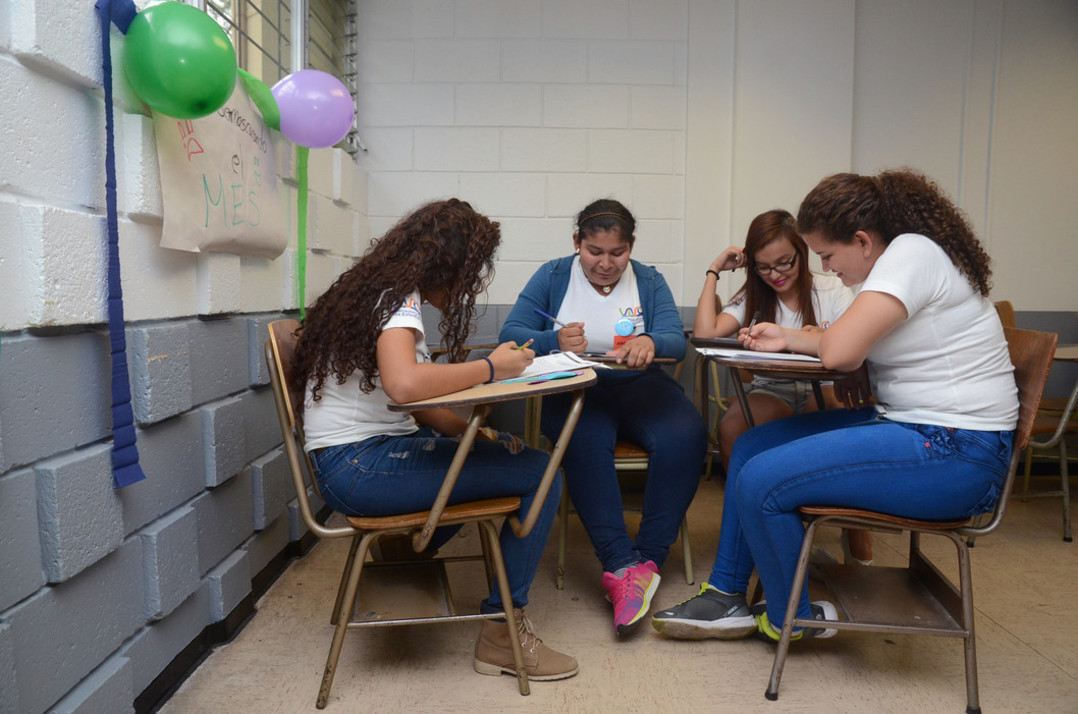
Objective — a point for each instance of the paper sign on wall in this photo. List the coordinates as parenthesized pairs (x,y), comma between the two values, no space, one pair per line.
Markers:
(219,182)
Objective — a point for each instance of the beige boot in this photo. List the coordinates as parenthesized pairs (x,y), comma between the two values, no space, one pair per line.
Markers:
(493,654)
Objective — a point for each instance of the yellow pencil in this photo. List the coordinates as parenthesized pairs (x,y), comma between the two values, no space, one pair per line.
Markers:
(526,344)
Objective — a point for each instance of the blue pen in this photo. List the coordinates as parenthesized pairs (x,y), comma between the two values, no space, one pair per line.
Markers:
(556,322)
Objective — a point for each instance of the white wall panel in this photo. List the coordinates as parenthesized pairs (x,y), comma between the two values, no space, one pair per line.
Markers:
(793,102)
(910,93)
(1033,200)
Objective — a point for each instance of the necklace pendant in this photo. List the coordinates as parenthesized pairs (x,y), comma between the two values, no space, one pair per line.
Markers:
(607,289)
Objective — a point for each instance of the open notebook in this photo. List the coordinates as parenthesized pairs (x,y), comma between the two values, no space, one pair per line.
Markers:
(754,355)
(557,362)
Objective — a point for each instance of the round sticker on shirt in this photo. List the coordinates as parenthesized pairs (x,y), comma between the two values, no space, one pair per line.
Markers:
(623,327)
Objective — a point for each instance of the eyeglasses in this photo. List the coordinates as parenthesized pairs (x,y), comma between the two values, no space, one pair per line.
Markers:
(782,267)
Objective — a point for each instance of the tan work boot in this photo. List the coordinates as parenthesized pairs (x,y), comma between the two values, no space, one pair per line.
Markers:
(494,656)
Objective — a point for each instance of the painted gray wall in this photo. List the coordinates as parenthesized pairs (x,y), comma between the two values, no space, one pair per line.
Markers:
(103,588)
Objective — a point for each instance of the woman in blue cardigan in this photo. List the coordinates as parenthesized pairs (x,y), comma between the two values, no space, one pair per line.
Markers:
(600,300)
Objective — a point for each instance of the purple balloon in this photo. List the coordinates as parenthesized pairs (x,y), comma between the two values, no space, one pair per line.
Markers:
(316,108)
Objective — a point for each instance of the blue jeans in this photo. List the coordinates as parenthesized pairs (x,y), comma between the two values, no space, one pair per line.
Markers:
(387,475)
(650,409)
(843,457)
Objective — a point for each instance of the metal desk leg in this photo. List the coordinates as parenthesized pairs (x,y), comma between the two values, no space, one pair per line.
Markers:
(521,529)
(739,387)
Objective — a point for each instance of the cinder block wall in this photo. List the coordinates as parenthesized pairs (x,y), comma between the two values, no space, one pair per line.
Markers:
(103,589)
(530,110)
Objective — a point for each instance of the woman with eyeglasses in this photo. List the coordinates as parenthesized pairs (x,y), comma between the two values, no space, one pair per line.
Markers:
(778,288)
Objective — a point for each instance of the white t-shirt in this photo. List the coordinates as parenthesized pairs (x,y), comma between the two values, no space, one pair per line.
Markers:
(605,317)
(947,364)
(345,414)
(830,298)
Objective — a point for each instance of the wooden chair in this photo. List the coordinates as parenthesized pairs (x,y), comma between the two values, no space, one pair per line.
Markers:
(366,532)
(917,599)
(706,398)
(1056,426)
(1055,420)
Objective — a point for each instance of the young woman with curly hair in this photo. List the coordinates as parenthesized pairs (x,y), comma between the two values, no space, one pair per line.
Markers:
(936,444)
(362,344)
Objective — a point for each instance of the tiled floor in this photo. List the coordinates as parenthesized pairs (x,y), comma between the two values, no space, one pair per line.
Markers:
(1025,584)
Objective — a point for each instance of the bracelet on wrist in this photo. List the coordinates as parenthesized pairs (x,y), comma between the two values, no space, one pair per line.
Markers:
(491,365)
(709,271)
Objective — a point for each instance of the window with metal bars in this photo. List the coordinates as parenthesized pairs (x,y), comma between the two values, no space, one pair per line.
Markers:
(262,32)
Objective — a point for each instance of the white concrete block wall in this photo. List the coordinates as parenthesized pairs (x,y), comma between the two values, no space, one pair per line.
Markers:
(529,110)
(52,160)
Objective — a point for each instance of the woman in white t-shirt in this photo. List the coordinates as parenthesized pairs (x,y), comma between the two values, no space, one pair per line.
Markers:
(362,344)
(779,288)
(937,443)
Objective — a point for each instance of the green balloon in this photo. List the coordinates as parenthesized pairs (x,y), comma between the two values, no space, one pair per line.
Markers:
(262,96)
(179,61)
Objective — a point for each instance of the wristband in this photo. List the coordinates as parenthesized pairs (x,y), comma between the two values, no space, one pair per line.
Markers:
(712,272)
(491,365)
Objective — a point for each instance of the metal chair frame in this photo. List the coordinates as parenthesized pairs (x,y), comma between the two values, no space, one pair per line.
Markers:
(919,598)
(365,532)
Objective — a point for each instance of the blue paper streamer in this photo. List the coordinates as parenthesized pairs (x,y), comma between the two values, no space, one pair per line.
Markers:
(125,465)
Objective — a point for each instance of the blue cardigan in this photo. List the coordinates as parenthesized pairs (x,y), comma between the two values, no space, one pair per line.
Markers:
(546,290)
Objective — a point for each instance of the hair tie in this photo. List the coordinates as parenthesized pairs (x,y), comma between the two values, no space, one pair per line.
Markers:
(491,365)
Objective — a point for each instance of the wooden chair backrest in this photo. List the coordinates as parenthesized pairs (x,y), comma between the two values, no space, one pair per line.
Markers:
(280,350)
(283,337)
(1031,355)
(1006,313)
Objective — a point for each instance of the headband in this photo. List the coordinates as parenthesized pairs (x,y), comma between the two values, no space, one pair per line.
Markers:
(600,215)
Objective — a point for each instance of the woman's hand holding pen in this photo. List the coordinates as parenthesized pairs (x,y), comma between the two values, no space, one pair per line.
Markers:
(571,338)
(763,337)
(509,360)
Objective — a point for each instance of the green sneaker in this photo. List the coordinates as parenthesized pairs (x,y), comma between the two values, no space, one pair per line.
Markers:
(710,613)
(821,610)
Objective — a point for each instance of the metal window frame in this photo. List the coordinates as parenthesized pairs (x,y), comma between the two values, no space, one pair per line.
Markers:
(299,52)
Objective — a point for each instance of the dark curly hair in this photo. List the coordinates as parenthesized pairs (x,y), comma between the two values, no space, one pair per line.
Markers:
(443,248)
(765,229)
(893,203)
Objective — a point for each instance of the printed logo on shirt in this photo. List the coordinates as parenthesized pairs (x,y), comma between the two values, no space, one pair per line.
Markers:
(825,324)
(408,308)
(637,311)
(739,300)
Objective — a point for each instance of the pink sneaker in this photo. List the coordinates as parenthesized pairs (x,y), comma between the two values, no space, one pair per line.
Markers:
(631,594)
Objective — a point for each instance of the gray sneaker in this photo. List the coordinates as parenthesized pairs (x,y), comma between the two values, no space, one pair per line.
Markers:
(708,614)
